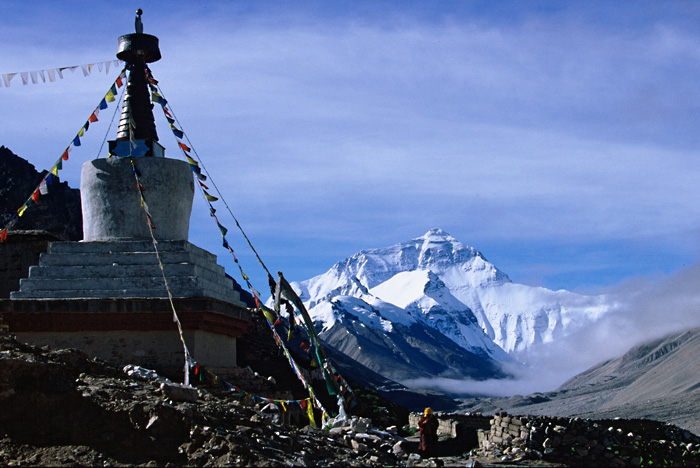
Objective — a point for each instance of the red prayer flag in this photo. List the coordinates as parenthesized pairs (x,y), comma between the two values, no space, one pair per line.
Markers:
(119,81)
(3,235)
(183,146)
(93,117)
(35,196)
(65,155)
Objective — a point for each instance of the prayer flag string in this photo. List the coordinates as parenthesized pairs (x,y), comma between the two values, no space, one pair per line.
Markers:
(157,97)
(305,404)
(42,188)
(50,74)
(188,358)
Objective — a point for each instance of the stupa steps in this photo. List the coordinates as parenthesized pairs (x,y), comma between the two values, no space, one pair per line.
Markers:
(126,269)
(135,246)
(114,258)
(114,294)
(143,287)
(103,284)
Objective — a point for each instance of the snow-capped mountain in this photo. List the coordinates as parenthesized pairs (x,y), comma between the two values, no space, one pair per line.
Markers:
(434,282)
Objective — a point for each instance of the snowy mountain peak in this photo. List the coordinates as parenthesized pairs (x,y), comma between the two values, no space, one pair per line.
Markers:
(436,280)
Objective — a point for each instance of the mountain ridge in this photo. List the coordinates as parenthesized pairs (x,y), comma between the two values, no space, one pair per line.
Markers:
(658,379)
(437,282)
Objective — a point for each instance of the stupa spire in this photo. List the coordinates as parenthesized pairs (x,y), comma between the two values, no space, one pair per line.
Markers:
(137,134)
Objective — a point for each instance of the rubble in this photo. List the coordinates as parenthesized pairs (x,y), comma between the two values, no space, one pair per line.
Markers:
(63,408)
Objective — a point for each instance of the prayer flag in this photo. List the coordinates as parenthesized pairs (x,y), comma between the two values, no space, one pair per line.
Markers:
(43,188)
(3,235)
(200,176)
(113,88)
(178,133)
(93,117)
(7,77)
(64,156)
(119,81)
(222,229)
(59,166)
(103,104)
(191,161)
(35,196)
(310,412)
(268,315)
(110,96)
(21,211)
(211,198)
(54,171)
(76,141)
(184,147)
(200,183)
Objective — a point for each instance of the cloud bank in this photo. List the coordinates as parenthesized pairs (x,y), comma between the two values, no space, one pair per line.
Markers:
(646,309)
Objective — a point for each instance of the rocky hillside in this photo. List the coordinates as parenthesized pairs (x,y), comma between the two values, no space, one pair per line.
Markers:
(62,408)
(657,380)
(57,212)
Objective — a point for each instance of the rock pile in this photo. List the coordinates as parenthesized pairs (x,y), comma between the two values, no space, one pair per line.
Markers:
(583,442)
(63,408)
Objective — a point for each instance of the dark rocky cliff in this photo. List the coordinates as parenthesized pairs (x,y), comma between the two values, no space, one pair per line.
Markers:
(57,212)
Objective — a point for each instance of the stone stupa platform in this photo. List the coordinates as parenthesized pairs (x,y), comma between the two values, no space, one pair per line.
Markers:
(126,269)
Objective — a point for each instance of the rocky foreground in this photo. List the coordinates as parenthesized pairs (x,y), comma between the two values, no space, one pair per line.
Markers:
(63,408)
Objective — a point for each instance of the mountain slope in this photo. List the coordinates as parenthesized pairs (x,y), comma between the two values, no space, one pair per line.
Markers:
(659,379)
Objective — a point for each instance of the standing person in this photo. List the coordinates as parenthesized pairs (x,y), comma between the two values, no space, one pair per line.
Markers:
(428,425)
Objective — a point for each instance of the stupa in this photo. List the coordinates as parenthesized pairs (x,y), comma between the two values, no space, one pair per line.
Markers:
(107,294)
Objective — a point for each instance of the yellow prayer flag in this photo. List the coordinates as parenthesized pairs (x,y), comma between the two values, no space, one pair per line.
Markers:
(81,132)
(191,161)
(268,315)
(211,198)
(54,171)
(110,96)
(310,411)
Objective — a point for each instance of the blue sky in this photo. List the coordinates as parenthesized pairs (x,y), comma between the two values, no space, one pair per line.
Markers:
(558,138)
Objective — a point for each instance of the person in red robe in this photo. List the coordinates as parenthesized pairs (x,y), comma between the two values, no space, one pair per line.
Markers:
(428,425)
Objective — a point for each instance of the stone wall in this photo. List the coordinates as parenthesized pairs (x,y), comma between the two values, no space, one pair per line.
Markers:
(454,425)
(457,433)
(154,349)
(21,251)
(585,442)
